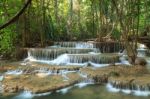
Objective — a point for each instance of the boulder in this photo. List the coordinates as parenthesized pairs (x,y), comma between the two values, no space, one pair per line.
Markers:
(140,61)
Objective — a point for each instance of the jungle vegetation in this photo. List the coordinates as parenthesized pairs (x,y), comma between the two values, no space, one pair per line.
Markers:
(32,23)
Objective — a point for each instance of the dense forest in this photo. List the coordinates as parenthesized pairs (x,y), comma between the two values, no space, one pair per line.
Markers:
(36,23)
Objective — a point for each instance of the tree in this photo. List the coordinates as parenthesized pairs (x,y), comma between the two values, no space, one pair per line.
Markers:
(13,19)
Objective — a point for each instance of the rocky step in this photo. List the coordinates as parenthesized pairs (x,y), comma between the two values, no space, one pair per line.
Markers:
(49,54)
(104,47)
(35,84)
(109,47)
(78,44)
(141,83)
(95,58)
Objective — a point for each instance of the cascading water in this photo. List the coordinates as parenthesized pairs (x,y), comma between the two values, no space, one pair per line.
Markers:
(135,90)
(80,59)
(52,53)
(71,53)
(84,45)
(75,44)
(14,72)
(142,50)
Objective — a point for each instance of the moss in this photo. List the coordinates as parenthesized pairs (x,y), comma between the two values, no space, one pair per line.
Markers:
(113,73)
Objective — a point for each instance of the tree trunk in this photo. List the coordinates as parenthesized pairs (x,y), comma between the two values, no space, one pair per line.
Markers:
(131,51)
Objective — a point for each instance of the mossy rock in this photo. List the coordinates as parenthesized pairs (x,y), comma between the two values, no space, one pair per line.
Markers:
(114,74)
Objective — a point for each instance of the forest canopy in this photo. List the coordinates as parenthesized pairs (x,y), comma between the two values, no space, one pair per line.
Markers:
(66,20)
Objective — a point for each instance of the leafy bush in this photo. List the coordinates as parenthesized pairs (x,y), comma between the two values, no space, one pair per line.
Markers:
(6,41)
(116,34)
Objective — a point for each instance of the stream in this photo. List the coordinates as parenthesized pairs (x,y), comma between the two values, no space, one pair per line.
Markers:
(86,92)
(77,54)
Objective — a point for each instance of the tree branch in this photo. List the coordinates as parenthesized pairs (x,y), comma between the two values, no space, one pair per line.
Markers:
(15,18)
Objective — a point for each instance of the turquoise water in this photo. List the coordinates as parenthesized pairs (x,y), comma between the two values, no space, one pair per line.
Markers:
(88,92)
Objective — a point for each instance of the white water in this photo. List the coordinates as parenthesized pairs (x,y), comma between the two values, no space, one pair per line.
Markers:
(24,95)
(124,60)
(141,46)
(61,60)
(14,72)
(84,45)
(1,78)
(83,75)
(83,84)
(72,59)
(29,95)
(65,59)
(137,92)
(142,49)
(110,88)
(64,90)
(142,52)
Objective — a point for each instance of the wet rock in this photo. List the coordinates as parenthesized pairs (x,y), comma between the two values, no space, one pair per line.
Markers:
(100,79)
(36,84)
(21,53)
(12,89)
(89,64)
(140,61)
(109,46)
(113,73)
(131,82)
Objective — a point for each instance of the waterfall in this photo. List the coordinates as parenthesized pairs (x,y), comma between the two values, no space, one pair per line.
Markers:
(94,58)
(109,47)
(66,59)
(75,44)
(104,47)
(74,53)
(53,53)
(142,50)
(61,60)
(84,45)
(135,90)
(14,72)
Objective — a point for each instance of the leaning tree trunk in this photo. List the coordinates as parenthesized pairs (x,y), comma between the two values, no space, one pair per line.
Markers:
(16,17)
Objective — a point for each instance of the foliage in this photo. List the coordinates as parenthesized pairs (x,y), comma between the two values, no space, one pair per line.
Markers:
(57,20)
(6,41)
(116,34)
